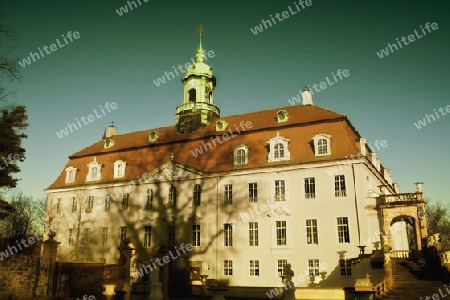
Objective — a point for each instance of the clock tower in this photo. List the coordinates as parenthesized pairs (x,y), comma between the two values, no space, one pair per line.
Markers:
(198,109)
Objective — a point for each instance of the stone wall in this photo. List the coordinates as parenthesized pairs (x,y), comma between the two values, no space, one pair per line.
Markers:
(24,276)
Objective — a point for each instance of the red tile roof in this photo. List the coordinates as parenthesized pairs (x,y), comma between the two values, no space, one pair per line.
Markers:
(143,156)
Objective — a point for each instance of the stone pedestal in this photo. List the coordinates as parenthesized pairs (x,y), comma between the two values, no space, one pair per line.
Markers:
(125,260)
(49,249)
(155,287)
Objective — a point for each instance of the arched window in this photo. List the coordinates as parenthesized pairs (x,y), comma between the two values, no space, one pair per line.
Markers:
(149,199)
(197,194)
(279,150)
(240,153)
(210,97)
(94,172)
(172,196)
(192,95)
(322,146)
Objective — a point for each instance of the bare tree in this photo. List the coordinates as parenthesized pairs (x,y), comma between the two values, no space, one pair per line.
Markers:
(26,218)
(438,221)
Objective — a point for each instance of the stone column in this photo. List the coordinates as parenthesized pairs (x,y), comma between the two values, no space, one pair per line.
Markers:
(125,262)
(49,249)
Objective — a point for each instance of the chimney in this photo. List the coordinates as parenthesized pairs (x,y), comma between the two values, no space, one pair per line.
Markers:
(307,96)
(418,187)
(362,146)
(111,131)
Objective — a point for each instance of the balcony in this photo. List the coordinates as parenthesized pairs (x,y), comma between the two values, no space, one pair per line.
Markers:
(197,105)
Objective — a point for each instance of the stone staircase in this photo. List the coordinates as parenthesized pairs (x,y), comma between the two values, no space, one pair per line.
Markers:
(412,280)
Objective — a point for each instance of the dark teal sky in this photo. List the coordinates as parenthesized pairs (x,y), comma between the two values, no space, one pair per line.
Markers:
(117,58)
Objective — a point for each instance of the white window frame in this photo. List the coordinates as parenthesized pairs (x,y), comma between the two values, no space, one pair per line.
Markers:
(196,235)
(228,194)
(228,267)
(253,192)
(119,165)
(276,141)
(342,228)
(95,171)
(147,240)
(71,174)
(253,234)
(237,158)
(312,232)
(254,268)
(313,265)
(340,186)
(317,147)
(279,188)
(228,235)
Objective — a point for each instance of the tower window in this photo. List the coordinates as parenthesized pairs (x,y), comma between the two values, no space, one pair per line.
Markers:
(192,95)
(210,97)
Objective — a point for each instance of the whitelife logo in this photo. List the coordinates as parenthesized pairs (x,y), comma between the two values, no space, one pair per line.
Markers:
(33,56)
(411,38)
(90,118)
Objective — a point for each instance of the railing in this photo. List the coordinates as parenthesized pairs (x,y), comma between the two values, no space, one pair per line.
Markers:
(381,289)
(401,198)
(400,254)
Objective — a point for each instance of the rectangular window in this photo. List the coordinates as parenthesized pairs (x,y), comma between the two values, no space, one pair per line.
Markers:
(104,236)
(339,186)
(253,233)
(346,267)
(87,237)
(313,267)
(149,199)
(281,264)
(253,192)
(90,203)
(228,194)
(171,235)
(228,267)
(196,235)
(310,188)
(281,232)
(70,236)
(125,200)
(254,267)
(122,234)
(343,232)
(108,200)
(228,234)
(58,205)
(74,204)
(147,236)
(311,231)
(279,190)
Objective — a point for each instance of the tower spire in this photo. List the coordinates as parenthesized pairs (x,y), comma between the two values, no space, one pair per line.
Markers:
(200,56)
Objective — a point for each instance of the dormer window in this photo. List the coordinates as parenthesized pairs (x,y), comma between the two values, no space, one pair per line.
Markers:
(240,155)
(322,145)
(221,125)
(119,169)
(71,173)
(278,149)
(94,172)
(153,136)
(282,116)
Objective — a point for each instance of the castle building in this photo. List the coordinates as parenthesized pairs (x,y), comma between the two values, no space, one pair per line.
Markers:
(245,195)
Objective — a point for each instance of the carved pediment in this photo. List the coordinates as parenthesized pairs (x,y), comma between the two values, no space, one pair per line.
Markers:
(278,212)
(172,171)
